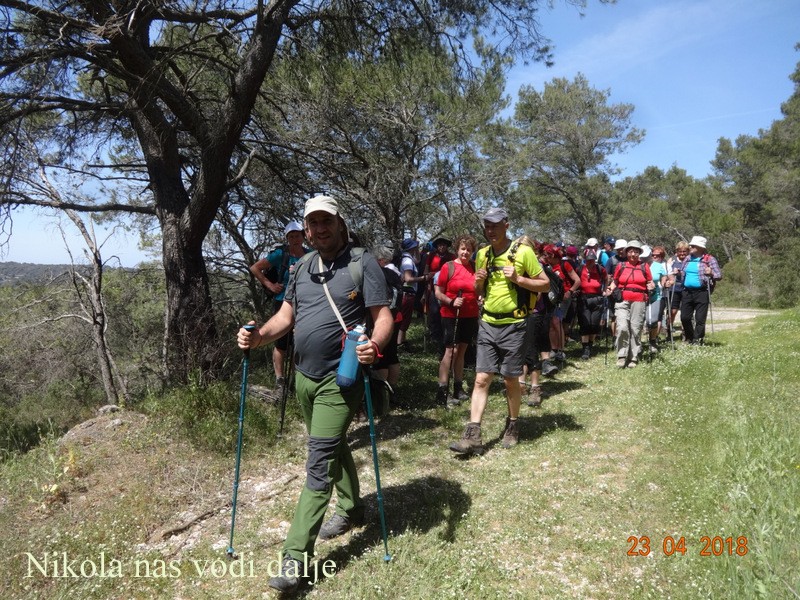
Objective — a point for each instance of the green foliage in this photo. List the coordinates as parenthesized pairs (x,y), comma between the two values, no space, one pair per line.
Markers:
(52,409)
(208,416)
(559,143)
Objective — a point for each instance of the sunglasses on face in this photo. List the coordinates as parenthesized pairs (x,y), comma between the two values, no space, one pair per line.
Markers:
(658,256)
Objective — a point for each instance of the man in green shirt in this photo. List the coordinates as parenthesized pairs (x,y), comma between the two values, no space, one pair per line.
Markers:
(506,273)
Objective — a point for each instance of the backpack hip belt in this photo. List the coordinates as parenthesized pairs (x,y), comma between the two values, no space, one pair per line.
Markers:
(514,314)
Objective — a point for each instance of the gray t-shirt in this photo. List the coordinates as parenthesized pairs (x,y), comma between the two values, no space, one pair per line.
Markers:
(317,332)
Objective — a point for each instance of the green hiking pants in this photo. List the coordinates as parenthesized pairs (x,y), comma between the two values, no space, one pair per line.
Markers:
(327,412)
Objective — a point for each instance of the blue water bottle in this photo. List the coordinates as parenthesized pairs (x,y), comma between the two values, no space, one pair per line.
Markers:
(347,373)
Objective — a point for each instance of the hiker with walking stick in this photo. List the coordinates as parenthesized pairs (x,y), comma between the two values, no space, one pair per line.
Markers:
(699,272)
(506,274)
(335,287)
(455,290)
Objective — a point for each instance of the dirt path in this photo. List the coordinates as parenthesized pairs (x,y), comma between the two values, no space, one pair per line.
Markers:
(732,318)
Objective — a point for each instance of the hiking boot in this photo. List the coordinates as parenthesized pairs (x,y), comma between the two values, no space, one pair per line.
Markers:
(441,395)
(549,369)
(453,402)
(558,355)
(470,442)
(280,384)
(511,433)
(337,525)
(289,578)
(587,353)
(621,363)
(653,347)
(632,364)
(535,396)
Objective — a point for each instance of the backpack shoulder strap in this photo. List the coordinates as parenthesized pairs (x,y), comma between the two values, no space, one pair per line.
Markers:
(284,262)
(303,263)
(356,266)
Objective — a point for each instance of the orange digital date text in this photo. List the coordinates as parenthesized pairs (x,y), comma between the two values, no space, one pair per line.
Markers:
(640,545)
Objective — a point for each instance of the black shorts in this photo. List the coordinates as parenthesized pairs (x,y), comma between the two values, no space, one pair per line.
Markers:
(466,332)
(282,343)
(538,340)
(390,352)
(676,300)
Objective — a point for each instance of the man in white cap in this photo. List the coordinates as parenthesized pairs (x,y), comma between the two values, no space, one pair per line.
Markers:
(505,274)
(322,287)
(283,259)
(699,273)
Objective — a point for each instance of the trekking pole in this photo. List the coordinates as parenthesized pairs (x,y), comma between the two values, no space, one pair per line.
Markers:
(288,373)
(368,392)
(670,322)
(710,309)
(454,346)
(606,314)
(242,399)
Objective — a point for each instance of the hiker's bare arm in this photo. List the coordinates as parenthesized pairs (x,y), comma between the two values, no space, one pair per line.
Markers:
(278,326)
(381,332)
(540,283)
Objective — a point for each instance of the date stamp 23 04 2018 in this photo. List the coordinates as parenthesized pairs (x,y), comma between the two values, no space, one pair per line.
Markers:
(640,545)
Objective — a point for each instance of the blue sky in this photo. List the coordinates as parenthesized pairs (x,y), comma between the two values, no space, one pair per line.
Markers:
(695,71)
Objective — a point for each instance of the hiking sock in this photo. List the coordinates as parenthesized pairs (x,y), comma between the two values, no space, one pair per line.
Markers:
(458,389)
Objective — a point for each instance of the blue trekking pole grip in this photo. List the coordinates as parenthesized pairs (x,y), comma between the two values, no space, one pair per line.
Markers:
(386,557)
(242,400)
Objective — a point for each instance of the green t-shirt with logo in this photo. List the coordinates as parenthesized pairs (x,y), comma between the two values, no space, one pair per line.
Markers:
(500,295)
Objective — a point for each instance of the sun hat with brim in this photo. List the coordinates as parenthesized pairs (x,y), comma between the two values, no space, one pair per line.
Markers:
(698,241)
(292,226)
(409,244)
(634,244)
(620,244)
(495,215)
(591,242)
(442,240)
(646,251)
(323,203)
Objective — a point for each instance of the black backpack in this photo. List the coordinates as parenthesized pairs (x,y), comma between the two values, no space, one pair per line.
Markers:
(556,293)
(395,284)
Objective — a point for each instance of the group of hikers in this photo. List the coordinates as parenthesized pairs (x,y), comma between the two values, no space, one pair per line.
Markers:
(511,298)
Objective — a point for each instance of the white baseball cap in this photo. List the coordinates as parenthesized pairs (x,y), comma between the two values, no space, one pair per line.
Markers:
(620,244)
(323,203)
(592,242)
(698,241)
(292,226)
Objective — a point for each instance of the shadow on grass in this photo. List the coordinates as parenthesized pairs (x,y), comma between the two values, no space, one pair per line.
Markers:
(419,505)
(389,427)
(531,428)
(554,386)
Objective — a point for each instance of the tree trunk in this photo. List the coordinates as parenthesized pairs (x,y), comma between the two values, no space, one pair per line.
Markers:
(191,331)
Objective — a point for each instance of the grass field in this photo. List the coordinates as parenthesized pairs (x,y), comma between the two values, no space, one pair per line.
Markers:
(679,479)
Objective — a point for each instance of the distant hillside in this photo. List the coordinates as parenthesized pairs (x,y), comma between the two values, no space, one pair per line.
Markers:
(13,272)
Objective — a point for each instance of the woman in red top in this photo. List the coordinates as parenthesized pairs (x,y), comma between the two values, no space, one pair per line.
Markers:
(455,291)
(572,284)
(633,277)
(590,302)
